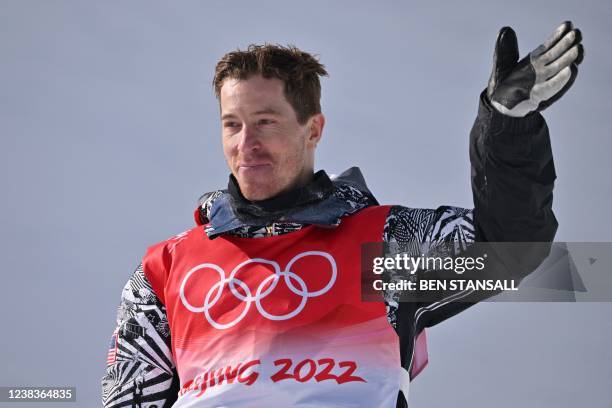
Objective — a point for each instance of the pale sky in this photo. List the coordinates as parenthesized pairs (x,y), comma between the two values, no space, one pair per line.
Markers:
(110,132)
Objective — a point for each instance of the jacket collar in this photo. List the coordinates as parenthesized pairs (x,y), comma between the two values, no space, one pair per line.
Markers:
(323,201)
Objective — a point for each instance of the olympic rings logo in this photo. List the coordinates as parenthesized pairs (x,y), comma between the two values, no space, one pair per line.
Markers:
(214,294)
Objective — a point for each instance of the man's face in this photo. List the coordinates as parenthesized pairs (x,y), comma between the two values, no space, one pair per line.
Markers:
(265,147)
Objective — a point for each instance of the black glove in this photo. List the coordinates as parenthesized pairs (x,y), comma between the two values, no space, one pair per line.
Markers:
(539,79)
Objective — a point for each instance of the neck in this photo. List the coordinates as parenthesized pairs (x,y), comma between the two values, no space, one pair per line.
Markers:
(314,188)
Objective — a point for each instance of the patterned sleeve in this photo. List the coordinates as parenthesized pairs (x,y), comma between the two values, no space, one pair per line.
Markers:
(408,229)
(140,368)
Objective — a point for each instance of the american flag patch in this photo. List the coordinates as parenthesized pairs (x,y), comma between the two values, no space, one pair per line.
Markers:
(111,357)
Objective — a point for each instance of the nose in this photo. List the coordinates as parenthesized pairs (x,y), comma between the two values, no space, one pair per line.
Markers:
(249,140)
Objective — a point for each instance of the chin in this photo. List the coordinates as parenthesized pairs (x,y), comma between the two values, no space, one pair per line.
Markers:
(255,193)
(259,190)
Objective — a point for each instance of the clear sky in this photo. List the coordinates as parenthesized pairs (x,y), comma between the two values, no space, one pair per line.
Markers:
(109,132)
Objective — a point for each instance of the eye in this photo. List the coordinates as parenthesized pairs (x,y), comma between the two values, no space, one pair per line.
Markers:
(231,125)
(265,122)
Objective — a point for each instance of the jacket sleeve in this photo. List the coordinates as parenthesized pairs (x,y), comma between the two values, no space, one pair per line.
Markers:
(512,174)
(513,177)
(140,367)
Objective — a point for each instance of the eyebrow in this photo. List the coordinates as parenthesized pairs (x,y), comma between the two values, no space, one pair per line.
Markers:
(227,116)
(266,111)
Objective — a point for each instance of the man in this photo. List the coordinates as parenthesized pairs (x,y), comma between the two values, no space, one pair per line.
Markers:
(259,304)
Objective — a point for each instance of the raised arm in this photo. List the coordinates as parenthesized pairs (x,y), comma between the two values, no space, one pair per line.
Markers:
(512,174)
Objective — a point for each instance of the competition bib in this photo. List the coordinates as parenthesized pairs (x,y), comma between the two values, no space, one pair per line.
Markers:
(277,321)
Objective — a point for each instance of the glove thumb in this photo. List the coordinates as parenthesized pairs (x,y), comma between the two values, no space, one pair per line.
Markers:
(505,58)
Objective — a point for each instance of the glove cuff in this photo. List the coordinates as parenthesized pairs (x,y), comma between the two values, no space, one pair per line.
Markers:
(509,124)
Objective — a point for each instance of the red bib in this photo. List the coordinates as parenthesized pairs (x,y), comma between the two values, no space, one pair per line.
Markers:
(277,321)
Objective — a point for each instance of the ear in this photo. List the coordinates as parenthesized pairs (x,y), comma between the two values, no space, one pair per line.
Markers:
(317,122)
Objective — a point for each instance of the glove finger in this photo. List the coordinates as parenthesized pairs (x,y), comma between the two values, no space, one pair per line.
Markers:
(545,91)
(580,55)
(505,57)
(568,40)
(560,63)
(506,50)
(559,32)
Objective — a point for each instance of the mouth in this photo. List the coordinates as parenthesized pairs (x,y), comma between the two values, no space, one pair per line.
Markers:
(253,168)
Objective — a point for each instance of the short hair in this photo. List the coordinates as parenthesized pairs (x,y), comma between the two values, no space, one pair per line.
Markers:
(298,70)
